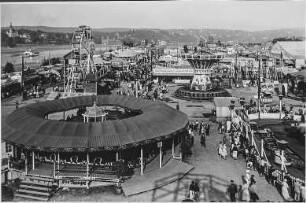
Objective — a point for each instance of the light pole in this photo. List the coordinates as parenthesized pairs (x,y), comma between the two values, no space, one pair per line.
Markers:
(259,85)
(232,106)
(280,105)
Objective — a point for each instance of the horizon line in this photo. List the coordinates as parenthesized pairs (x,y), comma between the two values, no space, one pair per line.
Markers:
(245,30)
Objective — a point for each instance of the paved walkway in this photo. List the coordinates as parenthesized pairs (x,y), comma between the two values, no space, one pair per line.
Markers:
(157,178)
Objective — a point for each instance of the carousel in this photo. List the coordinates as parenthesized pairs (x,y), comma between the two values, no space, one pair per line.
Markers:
(203,85)
(96,149)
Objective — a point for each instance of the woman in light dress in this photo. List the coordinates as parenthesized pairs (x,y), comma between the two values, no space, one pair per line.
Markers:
(223,151)
(285,192)
(245,192)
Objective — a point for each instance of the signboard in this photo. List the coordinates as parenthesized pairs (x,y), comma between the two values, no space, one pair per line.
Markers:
(72,182)
(173,71)
(159,144)
(267,87)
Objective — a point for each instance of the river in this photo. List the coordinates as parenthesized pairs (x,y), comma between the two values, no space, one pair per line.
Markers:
(13,54)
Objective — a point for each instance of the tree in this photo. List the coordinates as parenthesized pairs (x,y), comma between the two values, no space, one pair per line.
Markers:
(8,68)
(202,42)
(11,42)
(185,48)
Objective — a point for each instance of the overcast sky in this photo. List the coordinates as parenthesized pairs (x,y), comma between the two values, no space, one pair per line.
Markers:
(243,15)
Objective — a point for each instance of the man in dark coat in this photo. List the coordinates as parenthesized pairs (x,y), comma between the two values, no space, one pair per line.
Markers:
(207,128)
(232,190)
(203,139)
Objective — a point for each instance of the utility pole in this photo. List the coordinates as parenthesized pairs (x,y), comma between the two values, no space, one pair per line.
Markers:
(22,78)
(64,76)
(259,86)
(151,65)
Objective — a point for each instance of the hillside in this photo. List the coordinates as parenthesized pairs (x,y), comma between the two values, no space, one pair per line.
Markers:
(186,36)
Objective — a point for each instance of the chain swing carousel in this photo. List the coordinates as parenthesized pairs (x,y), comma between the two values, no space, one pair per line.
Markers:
(96,151)
(201,86)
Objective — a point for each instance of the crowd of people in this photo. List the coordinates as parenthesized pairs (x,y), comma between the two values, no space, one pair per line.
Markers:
(239,145)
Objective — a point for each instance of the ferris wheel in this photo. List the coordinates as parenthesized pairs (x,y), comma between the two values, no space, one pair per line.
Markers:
(83,49)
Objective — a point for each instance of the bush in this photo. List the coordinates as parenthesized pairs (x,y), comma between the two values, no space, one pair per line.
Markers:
(8,68)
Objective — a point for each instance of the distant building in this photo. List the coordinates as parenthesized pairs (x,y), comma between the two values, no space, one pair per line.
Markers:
(12,32)
(210,40)
(292,52)
(222,106)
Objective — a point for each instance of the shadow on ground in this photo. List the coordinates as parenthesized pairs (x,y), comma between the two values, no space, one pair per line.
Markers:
(211,188)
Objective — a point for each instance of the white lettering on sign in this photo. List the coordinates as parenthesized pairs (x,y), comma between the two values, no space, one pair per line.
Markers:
(173,71)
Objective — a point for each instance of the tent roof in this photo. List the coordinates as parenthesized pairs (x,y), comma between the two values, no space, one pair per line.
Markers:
(157,121)
(290,49)
(127,54)
(301,74)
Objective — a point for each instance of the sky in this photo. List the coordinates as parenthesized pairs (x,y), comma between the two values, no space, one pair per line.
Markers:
(239,14)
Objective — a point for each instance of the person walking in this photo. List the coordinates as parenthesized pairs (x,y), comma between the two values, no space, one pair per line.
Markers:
(235,152)
(232,190)
(197,125)
(191,133)
(193,189)
(297,190)
(253,191)
(252,180)
(285,192)
(220,127)
(207,129)
(303,192)
(203,140)
(17,104)
(245,192)
(220,149)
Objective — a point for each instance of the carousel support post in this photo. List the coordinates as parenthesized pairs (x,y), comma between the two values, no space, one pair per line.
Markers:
(247,131)
(262,148)
(172,147)
(64,115)
(141,160)
(252,141)
(87,165)
(9,162)
(117,156)
(15,151)
(58,161)
(54,167)
(160,155)
(87,170)
(33,160)
(84,119)
(26,162)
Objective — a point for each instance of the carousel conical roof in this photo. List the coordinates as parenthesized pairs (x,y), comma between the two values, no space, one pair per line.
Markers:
(94,111)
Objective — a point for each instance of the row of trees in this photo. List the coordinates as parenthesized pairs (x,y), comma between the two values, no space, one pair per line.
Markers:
(36,37)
